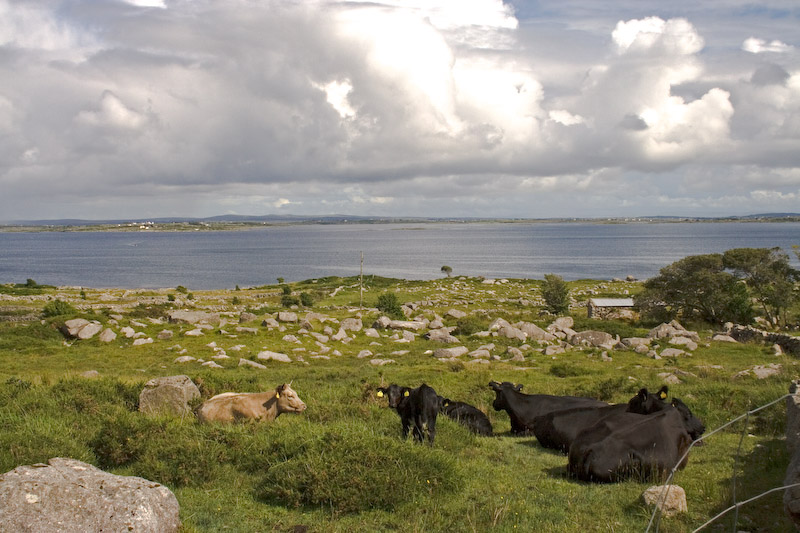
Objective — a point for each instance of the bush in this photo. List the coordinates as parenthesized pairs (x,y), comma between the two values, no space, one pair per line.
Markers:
(555,294)
(58,308)
(469,325)
(390,305)
(287,300)
(286,289)
(306,299)
(349,469)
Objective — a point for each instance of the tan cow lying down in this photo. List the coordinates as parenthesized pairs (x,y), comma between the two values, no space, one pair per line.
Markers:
(266,406)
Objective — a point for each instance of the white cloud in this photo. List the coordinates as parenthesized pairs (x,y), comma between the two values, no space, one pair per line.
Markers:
(391,107)
(760,46)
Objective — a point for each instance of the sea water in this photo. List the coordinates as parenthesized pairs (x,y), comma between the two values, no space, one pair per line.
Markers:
(223,259)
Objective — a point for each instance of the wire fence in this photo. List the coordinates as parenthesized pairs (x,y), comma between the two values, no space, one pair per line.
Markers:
(655,518)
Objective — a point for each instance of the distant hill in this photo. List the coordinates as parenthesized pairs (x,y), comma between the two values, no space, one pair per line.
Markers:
(356,219)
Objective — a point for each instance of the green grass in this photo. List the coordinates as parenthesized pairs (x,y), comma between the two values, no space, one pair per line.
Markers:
(342,465)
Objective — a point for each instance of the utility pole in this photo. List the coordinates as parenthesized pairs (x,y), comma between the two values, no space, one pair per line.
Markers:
(361,284)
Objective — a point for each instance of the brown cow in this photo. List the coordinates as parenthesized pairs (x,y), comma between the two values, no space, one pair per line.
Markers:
(258,406)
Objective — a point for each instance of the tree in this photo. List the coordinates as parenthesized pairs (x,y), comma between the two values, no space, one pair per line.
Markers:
(768,276)
(696,286)
(447,270)
(555,294)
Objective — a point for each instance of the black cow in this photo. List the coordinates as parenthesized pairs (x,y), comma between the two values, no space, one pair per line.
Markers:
(524,408)
(418,406)
(628,445)
(467,415)
(559,429)
(644,403)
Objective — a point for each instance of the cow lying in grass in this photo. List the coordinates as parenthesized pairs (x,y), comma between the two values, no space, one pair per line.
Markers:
(417,407)
(524,408)
(467,415)
(558,429)
(258,406)
(628,444)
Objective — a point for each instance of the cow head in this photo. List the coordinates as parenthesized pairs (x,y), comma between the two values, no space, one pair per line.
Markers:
(288,401)
(694,426)
(501,389)
(645,403)
(394,393)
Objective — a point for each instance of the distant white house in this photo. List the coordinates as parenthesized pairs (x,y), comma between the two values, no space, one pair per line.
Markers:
(603,307)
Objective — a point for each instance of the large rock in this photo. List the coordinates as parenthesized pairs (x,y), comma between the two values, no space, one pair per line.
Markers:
(592,338)
(267,355)
(447,353)
(441,335)
(287,316)
(670,499)
(168,395)
(80,328)
(351,324)
(510,332)
(107,335)
(69,496)
(534,332)
(193,317)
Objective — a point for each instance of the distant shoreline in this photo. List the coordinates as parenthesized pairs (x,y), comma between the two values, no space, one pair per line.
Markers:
(160,225)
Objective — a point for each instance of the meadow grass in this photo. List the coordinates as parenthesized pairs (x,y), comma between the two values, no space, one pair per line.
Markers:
(342,465)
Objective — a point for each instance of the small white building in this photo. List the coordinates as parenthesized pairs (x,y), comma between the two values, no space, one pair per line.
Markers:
(605,307)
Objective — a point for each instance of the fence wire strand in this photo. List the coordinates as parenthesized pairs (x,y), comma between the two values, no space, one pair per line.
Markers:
(665,491)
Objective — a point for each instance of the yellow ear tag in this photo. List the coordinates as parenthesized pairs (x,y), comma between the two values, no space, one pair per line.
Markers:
(663,395)
(380,394)
(405,393)
(277,394)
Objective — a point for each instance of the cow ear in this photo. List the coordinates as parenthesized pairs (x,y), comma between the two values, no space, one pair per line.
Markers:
(405,393)
(643,393)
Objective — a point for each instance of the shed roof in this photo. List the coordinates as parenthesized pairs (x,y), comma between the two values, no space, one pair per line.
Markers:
(611,302)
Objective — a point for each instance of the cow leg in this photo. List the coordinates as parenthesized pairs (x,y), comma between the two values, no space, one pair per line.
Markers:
(406,426)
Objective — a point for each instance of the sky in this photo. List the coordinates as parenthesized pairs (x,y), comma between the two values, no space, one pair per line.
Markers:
(432,108)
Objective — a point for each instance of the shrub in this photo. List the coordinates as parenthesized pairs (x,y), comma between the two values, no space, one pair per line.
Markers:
(469,325)
(349,469)
(58,308)
(306,299)
(390,305)
(287,300)
(555,294)
(286,289)
(182,289)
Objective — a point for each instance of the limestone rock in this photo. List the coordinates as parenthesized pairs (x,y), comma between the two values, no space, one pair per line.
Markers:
(107,335)
(534,332)
(70,496)
(446,353)
(80,328)
(672,352)
(168,395)
(287,316)
(684,341)
(274,356)
(184,359)
(591,338)
(252,364)
(246,317)
(140,342)
(128,332)
(563,322)
(270,322)
(441,335)
(372,333)
(380,362)
(193,317)
(351,324)
(455,313)
(670,499)
(723,338)
(510,332)
(165,335)
(553,350)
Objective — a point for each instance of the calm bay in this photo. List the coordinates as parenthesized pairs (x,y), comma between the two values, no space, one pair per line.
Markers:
(223,259)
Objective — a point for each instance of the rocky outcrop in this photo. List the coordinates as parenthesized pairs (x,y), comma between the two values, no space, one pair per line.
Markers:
(193,317)
(80,328)
(70,496)
(789,344)
(168,395)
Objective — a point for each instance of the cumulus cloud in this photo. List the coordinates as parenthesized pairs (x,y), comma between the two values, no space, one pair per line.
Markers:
(391,107)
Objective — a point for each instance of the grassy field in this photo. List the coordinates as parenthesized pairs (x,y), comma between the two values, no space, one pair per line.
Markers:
(342,465)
